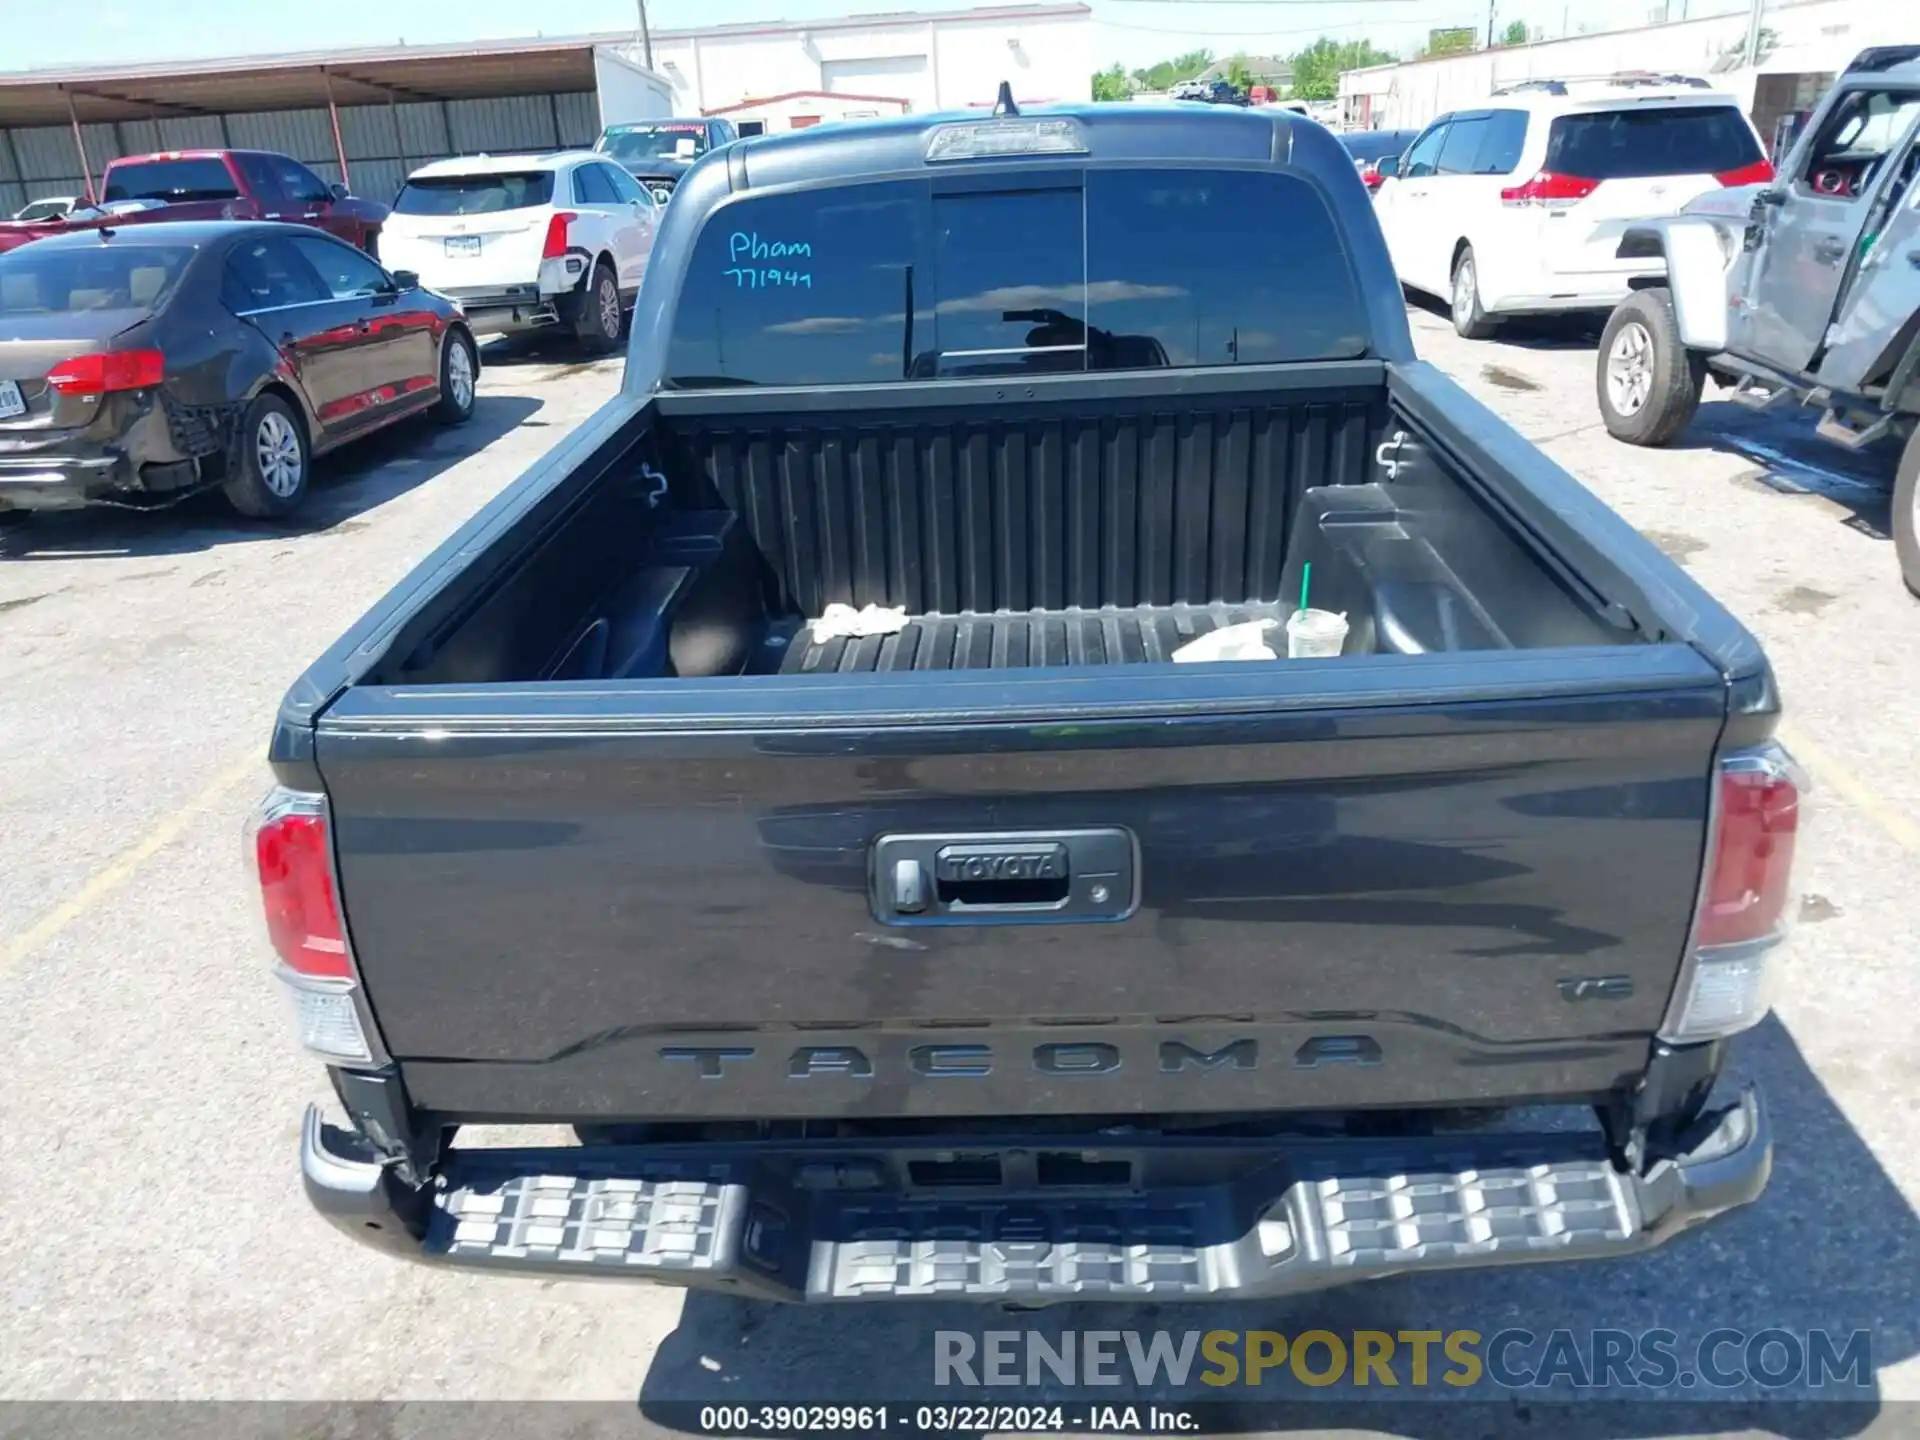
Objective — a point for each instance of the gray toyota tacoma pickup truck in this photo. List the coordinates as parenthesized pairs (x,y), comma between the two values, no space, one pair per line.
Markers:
(991,953)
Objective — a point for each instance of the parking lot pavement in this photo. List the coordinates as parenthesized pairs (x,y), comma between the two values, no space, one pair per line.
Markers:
(153,1234)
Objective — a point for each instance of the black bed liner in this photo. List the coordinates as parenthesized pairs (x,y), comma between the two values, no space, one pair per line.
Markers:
(1029,640)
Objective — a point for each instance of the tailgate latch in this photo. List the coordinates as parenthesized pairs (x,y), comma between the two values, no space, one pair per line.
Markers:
(1003,878)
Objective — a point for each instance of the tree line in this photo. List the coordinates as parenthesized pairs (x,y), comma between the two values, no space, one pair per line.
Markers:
(1316,68)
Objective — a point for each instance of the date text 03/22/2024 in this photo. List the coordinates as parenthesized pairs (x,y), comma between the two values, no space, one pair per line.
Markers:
(963,1418)
(747,246)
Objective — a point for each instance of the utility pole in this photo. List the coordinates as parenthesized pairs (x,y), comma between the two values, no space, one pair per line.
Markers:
(1753,33)
(1490,8)
(646,35)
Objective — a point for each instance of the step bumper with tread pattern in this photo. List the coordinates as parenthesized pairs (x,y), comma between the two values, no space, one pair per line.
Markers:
(1200,1220)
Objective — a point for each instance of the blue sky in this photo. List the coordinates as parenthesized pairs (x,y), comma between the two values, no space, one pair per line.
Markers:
(1135,32)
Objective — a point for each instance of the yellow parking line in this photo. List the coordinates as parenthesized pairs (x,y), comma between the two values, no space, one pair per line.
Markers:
(121,868)
(1850,787)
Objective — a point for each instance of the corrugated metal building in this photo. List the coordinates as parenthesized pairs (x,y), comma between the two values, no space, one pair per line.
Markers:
(396,109)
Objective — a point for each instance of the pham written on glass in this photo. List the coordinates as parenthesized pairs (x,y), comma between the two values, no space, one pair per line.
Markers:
(748,246)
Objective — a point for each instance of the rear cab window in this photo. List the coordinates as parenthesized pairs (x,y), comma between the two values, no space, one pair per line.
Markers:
(36,280)
(200,177)
(491,194)
(891,280)
(1008,288)
(1640,143)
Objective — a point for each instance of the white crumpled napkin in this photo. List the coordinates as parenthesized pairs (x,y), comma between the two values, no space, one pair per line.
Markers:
(1245,641)
(837,620)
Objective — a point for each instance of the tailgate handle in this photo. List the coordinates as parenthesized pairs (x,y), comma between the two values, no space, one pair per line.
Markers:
(1007,877)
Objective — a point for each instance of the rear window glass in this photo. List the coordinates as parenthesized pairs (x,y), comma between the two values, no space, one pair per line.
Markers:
(35,280)
(475,194)
(1628,144)
(1008,280)
(1270,283)
(888,281)
(205,178)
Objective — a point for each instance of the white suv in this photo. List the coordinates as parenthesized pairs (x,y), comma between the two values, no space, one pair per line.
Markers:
(1517,208)
(527,241)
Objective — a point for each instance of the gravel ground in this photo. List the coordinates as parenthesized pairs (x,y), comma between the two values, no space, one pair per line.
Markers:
(153,1237)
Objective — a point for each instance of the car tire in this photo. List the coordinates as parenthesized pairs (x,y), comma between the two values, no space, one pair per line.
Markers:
(598,325)
(1647,381)
(459,378)
(271,461)
(1906,513)
(1470,319)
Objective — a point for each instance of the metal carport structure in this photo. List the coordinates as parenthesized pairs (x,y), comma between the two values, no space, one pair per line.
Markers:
(362,117)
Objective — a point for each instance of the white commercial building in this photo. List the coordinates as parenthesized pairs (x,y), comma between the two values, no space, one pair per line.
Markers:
(1810,43)
(785,75)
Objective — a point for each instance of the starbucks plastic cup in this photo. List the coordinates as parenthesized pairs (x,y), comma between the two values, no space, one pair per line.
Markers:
(1315,634)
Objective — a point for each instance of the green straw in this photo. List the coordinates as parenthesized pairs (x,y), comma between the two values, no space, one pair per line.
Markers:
(1306,577)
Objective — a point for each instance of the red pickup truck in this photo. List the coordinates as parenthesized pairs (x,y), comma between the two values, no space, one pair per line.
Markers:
(213,185)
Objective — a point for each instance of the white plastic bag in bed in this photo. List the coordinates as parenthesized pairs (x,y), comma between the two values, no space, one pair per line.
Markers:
(1245,641)
(838,620)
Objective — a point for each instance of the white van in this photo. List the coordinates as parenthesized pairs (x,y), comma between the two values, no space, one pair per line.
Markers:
(1517,207)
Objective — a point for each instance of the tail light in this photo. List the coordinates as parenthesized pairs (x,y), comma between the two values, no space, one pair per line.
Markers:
(1758,173)
(1551,191)
(1741,921)
(556,245)
(108,370)
(293,854)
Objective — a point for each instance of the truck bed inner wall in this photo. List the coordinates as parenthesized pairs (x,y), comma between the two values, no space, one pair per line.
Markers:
(1025,514)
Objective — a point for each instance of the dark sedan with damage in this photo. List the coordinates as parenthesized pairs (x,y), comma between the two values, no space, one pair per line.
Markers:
(140,365)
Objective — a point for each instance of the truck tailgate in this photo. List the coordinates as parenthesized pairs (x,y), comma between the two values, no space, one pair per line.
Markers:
(662,899)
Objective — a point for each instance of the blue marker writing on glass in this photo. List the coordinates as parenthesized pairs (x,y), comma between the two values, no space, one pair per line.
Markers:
(742,245)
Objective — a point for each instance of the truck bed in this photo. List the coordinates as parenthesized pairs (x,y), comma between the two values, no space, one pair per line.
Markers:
(1014,537)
